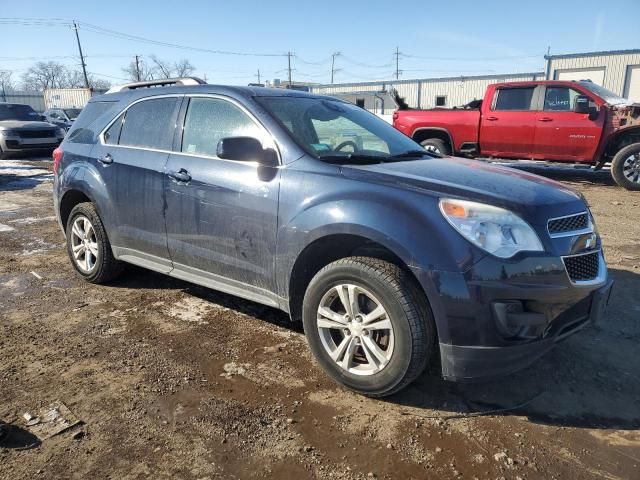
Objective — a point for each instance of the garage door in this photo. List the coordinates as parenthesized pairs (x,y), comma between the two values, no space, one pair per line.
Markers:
(595,75)
(632,86)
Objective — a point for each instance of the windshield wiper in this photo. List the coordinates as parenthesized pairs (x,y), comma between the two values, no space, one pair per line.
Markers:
(415,154)
(355,158)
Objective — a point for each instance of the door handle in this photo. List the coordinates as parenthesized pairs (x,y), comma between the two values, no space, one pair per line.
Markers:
(106,160)
(545,119)
(180,175)
(491,119)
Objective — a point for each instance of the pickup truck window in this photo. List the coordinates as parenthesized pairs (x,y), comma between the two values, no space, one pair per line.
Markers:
(514,98)
(560,99)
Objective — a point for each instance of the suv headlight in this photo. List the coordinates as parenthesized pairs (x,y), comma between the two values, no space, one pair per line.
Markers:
(6,132)
(496,230)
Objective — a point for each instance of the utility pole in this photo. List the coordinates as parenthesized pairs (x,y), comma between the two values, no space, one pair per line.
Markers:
(397,63)
(289,58)
(137,69)
(333,61)
(258,75)
(84,65)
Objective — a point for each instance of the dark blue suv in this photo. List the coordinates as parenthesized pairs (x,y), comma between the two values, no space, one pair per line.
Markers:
(391,256)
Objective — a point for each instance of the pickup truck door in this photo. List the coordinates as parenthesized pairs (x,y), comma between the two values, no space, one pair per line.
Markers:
(561,133)
(221,214)
(508,123)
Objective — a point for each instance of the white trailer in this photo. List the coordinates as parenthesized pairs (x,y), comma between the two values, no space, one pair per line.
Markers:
(66,97)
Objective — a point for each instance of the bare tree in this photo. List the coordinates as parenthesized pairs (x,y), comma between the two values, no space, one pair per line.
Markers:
(183,68)
(99,83)
(6,82)
(45,75)
(131,71)
(163,68)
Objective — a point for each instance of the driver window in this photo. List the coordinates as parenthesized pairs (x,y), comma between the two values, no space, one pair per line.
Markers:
(341,134)
(560,99)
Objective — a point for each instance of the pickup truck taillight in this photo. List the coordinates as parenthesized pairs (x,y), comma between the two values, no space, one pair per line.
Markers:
(57,157)
(395,116)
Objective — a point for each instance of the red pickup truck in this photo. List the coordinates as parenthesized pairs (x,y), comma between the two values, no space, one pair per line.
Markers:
(577,122)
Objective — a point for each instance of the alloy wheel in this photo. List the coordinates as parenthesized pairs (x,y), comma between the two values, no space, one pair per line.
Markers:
(631,168)
(84,244)
(355,329)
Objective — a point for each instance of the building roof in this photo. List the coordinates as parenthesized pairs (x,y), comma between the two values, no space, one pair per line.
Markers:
(593,54)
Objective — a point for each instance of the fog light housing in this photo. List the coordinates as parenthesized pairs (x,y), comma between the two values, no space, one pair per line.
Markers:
(513,321)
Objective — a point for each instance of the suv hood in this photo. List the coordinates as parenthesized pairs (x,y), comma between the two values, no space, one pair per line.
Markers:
(533,197)
(24,124)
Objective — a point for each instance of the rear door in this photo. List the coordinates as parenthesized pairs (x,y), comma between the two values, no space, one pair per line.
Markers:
(221,215)
(561,134)
(131,156)
(507,127)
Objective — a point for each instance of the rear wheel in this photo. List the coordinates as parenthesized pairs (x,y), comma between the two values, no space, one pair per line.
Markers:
(436,145)
(88,246)
(368,325)
(625,167)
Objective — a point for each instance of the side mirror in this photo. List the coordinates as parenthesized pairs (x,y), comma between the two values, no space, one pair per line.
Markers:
(585,105)
(246,149)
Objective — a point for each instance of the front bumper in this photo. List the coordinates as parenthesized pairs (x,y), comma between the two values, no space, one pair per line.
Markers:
(481,335)
(465,363)
(20,145)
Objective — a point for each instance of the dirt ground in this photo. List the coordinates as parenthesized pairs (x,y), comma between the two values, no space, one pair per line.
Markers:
(171,380)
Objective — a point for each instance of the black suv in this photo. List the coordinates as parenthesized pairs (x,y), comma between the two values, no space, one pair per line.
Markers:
(390,255)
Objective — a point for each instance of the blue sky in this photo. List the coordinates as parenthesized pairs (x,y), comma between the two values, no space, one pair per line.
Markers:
(436,38)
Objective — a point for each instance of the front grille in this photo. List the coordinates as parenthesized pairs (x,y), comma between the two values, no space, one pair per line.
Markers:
(582,268)
(50,132)
(571,223)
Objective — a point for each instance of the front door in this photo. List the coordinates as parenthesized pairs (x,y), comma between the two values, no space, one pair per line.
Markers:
(507,127)
(131,157)
(221,215)
(563,134)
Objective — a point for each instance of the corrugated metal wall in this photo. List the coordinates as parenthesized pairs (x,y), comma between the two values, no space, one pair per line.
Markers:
(422,93)
(34,99)
(616,65)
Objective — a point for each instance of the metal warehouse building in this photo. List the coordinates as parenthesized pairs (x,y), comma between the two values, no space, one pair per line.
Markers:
(619,71)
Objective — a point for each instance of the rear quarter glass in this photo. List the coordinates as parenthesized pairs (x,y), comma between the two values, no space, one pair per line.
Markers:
(90,121)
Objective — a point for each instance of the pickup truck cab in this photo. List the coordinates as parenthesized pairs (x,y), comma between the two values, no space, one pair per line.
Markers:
(563,121)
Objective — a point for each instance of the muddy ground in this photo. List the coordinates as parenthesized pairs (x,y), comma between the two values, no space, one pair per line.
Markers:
(171,380)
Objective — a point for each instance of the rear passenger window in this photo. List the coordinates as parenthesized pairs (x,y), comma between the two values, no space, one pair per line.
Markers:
(514,98)
(112,135)
(209,120)
(150,124)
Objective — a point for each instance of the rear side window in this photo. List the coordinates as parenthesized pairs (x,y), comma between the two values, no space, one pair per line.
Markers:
(514,98)
(85,128)
(112,135)
(209,120)
(150,124)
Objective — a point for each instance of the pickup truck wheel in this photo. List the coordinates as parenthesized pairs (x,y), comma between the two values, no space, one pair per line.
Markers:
(436,145)
(368,325)
(88,246)
(625,167)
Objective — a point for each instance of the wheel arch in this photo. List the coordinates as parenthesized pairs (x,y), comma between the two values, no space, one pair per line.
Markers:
(424,133)
(621,139)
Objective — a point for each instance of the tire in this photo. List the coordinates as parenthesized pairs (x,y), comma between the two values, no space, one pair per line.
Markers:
(104,266)
(625,167)
(409,342)
(437,146)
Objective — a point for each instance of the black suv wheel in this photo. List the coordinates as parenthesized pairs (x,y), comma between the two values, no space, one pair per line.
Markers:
(88,246)
(368,325)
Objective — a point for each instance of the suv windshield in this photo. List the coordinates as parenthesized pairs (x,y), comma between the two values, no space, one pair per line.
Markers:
(607,95)
(17,112)
(72,113)
(339,132)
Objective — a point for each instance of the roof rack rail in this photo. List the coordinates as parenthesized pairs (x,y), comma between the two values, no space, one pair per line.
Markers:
(183,81)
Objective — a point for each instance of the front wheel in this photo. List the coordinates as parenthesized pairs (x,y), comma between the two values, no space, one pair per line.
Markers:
(435,145)
(625,167)
(368,325)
